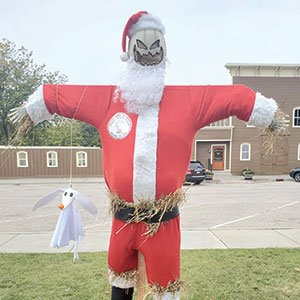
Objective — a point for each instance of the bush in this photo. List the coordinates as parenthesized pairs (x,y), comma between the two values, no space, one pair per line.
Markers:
(247,171)
(209,173)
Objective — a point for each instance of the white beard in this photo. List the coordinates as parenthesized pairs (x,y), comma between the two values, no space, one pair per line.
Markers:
(141,87)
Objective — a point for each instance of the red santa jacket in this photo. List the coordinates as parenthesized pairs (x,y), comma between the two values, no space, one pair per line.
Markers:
(147,155)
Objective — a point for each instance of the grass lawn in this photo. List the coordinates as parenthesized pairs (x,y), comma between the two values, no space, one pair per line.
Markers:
(258,274)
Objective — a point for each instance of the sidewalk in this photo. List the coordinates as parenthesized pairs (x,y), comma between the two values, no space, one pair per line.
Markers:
(191,239)
(219,177)
(227,178)
(37,180)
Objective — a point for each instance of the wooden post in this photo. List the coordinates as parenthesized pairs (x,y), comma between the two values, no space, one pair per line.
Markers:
(142,279)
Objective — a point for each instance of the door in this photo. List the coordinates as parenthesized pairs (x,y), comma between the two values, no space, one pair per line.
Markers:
(218,158)
(277,162)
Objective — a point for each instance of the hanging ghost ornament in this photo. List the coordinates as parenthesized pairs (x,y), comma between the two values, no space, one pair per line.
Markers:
(69,225)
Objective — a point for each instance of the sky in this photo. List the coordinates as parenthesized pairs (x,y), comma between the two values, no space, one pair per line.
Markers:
(82,39)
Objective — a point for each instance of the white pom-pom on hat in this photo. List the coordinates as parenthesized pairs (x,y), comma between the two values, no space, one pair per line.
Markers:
(139,21)
(124,56)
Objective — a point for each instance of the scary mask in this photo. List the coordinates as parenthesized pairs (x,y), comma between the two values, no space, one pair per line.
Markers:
(147,47)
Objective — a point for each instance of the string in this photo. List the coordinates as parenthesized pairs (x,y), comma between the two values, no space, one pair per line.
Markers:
(71,166)
(71,135)
(71,154)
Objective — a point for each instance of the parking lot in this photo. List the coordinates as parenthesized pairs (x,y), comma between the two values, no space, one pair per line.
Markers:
(214,212)
(228,202)
(260,204)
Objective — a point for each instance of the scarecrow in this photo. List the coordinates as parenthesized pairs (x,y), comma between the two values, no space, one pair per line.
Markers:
(147,131)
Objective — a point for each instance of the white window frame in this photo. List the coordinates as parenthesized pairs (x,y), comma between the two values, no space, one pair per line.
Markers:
(220,124)
(241,152)
(293,120)
(26,159)
(48,159)
(298,152)
(77,159)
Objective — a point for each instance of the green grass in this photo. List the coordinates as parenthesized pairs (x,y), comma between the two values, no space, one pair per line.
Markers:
(259,274)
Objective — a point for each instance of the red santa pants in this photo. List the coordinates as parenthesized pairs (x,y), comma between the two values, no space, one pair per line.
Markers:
(161,251)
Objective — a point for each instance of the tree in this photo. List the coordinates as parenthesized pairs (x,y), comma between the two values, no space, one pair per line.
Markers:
(56,132)
(90,135)
(19,78)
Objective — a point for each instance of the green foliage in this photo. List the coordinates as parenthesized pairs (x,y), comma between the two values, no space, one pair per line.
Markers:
(90,135)
(247,171)
(209,172)
(56,132)
(19,78)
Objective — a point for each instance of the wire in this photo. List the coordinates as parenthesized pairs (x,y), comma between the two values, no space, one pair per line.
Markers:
(71,135)
(71,155)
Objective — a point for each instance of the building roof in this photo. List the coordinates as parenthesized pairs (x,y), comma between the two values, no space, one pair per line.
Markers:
(263,70)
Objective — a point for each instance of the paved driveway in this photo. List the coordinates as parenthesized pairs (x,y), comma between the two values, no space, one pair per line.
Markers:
(227,203)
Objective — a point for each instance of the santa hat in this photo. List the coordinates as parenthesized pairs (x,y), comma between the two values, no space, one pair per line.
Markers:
(139,21)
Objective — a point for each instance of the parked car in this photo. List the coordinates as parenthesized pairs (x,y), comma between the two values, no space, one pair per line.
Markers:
(295,173)
(196,172)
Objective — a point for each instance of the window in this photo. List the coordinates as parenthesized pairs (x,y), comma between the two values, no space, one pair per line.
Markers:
(296,117)
(298,151)
(222,123)
(22,159)
(52,159)
(81,159)
(245,151)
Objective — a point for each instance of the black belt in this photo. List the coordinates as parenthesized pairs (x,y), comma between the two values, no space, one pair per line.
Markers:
(126,213)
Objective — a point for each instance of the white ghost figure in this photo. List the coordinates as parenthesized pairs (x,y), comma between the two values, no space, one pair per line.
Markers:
(69,225)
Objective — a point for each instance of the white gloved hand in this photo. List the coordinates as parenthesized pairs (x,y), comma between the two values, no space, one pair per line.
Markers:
(35,108)
(17,114)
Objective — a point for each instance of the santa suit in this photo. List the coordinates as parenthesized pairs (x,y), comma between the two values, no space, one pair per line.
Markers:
(147,156)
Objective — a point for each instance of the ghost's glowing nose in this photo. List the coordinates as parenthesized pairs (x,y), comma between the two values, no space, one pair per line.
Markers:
(61,206)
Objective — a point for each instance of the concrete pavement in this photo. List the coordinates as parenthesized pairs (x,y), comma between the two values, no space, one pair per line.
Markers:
(192,239)
(219,177)
(97,240)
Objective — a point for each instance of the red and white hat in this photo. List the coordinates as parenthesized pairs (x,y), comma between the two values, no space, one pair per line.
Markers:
(139,21)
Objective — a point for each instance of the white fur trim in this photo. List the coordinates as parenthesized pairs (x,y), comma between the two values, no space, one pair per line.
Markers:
(36,107)
(121,282)
(167,296)
(144,164)
(124,56)
(141,87)
(147,21)
(263,111)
